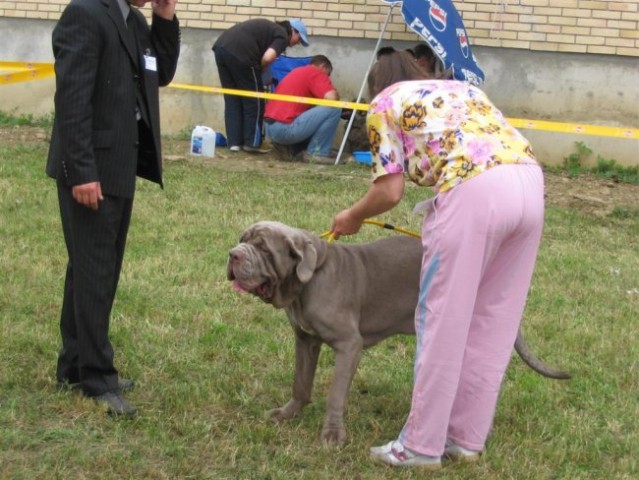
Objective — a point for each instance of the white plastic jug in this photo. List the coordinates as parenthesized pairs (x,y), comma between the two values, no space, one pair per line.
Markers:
(203,141)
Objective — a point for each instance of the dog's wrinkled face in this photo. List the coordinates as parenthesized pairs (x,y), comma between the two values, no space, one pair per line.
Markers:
(272,261)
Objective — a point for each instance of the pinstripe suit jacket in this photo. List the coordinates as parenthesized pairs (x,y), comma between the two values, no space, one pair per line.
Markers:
(95,132)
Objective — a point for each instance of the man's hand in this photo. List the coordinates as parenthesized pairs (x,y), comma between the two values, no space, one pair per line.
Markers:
(88,194)
(162,8)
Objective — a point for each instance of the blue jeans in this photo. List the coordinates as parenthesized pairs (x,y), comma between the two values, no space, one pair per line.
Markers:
(317,126)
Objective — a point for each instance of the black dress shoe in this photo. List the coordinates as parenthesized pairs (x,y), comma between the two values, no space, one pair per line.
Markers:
(116,404)
(67,385)
(124,384)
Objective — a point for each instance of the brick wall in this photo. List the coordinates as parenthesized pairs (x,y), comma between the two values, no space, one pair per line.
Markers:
(579,26)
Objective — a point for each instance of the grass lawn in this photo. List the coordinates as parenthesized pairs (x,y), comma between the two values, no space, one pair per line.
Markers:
(209,363)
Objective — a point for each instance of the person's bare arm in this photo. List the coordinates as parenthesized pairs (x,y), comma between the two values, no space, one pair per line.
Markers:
(382,196)
(331,95)
(269,57)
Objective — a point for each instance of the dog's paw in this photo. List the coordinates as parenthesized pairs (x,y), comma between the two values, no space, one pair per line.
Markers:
(333,436)
(279,414)
(291,410)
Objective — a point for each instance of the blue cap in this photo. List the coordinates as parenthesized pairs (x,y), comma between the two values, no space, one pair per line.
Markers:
(301,28)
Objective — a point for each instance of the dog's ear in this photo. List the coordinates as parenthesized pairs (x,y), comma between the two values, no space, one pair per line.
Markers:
(302,247)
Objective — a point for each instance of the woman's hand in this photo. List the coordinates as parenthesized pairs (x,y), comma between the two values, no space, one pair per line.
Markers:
(383,195)
(345,223)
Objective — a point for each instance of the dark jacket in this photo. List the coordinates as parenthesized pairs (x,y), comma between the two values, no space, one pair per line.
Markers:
(249,40)
(95,131)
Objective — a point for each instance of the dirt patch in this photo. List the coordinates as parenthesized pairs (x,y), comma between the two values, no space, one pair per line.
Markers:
(23,135)
(585,193)
(590,194)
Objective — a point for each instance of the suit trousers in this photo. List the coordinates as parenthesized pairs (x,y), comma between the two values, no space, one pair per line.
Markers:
(243,116)
(95,241)
(480,246)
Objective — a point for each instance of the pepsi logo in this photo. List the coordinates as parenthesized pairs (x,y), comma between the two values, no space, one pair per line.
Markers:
(463,42)
(437,16)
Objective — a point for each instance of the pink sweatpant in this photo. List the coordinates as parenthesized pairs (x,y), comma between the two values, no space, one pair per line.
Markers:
(480,245)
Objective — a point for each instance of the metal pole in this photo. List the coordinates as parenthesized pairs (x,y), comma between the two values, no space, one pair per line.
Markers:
(361,90)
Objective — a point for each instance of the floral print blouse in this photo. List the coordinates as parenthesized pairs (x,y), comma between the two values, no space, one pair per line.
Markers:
(440,132)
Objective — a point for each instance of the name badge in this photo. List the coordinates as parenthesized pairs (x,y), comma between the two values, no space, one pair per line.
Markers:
(150,63)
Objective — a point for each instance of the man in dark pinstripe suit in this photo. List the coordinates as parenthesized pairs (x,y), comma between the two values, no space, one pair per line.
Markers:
(109,64)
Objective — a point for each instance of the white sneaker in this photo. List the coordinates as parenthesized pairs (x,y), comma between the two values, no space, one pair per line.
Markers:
(460,454)
(396,455)
(235,148)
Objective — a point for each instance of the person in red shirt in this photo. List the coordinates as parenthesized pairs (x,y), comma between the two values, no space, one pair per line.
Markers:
(300,130)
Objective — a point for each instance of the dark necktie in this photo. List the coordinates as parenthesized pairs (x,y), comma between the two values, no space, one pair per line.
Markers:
(130,26)
(140,112)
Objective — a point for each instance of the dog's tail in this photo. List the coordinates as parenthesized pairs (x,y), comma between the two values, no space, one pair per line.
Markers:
(535,363)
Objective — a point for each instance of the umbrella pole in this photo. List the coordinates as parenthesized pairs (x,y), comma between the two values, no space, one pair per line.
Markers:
(361,90)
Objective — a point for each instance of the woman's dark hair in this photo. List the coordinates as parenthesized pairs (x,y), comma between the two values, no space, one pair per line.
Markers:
(392,68)
(384,51)
(287,26)
(423,50)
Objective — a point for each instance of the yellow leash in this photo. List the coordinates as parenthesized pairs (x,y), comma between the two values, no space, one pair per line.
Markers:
(330,238)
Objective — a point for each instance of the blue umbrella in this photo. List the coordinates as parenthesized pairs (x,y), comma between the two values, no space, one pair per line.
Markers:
(439,24)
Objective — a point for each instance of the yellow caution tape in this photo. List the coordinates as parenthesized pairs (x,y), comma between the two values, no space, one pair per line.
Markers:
(35,71)
(25,72)
(602,131)
(618,132)
(20,66)
(273,96)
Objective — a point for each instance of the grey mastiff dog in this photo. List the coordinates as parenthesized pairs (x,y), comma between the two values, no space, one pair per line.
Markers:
(347,296)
